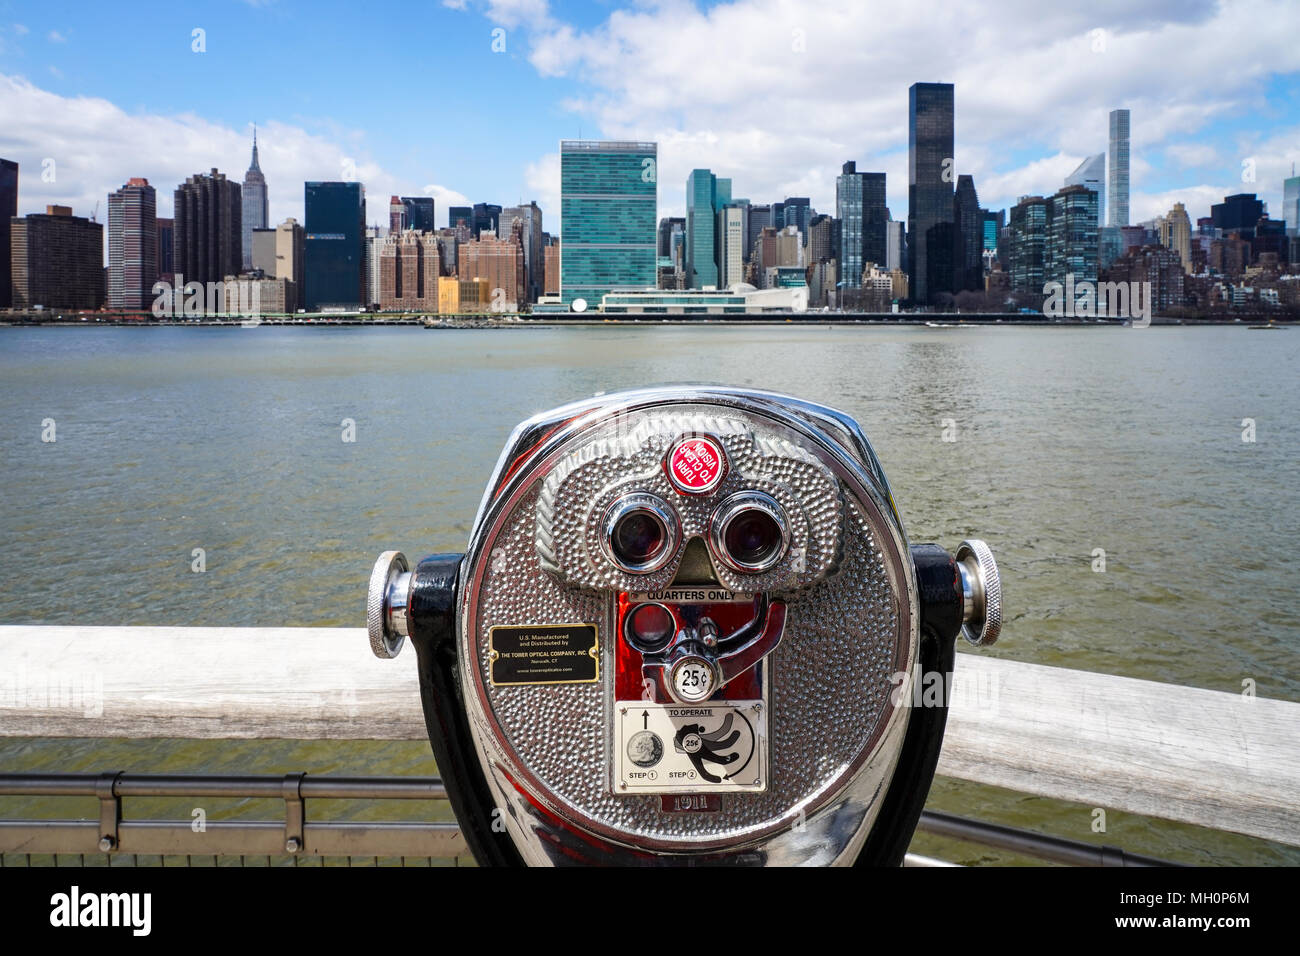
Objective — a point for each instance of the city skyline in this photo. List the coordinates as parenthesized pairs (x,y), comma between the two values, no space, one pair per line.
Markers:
(1191,135)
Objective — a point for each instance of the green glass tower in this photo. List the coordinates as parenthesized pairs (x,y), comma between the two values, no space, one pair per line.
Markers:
(608,217)
(706,195)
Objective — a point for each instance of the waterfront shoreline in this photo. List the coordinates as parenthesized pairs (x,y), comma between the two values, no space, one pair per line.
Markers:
(573,320)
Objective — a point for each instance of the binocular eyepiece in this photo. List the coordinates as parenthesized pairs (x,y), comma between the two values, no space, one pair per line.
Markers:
(679,635)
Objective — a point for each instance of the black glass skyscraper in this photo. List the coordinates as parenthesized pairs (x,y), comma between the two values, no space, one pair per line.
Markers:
(930,178)
(487,217)
(334,246)
(968,252)
(455,213)
(796,211)
(419,213)
(1237,213)
(861,213)
(8,209)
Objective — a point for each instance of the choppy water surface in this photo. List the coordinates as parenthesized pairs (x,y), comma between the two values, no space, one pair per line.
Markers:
(1067,441)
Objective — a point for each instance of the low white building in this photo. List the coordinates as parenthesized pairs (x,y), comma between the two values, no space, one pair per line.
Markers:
(740,299)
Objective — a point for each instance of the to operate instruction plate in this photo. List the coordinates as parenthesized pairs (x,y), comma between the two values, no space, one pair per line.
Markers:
(714,747)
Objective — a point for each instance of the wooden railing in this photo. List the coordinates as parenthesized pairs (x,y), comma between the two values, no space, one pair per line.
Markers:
(1210,758)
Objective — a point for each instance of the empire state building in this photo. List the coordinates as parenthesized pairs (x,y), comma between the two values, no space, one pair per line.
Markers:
(255,205)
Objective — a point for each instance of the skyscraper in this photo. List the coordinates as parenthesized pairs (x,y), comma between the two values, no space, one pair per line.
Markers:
(821,239)
(419,213)
(334,245)
(743,205)
(1029,223)
(1237,213)
(895,246)
(796,211)
(1291,203)
(706,194)
(132,245)
(760,218)
(289,256)
(530,219)
(497,262)
(671,236)
(1071,236)
(993,223)
(608,209)
(370,268)
(731,245)
(208,231)
(166,231)
(1091,173)
(58,260)
(396,217)
(264,251)
(930,178)
(8,210)
(1176,234)
(408,270)
(255,211)
(457,213)
(968,237)
(487,218)
(860,209)
(1117,169)
(551,283)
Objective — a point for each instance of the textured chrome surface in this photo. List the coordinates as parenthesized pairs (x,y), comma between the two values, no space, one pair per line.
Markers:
(386,605)
(535,558)
(837,427)
(981,593)
(625,456)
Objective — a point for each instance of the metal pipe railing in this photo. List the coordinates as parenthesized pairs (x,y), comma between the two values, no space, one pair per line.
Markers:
(1040,846)
(220,785)
(295,835)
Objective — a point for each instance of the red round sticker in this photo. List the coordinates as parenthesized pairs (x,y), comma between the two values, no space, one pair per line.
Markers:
(696,465)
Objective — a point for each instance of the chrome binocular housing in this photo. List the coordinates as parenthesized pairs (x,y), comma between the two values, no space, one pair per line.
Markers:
(678,636)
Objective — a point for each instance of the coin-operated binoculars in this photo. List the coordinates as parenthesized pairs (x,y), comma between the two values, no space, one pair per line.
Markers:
(684,633)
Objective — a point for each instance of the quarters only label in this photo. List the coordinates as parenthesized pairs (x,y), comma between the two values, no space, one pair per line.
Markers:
(544,654)
(673,748)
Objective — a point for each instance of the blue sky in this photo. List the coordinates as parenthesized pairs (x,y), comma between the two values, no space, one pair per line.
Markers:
(774,93)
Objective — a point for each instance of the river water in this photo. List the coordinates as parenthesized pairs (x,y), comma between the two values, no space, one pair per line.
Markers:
(1066,441)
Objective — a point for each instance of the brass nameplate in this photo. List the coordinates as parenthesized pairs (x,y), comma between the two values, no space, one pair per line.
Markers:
(544,654)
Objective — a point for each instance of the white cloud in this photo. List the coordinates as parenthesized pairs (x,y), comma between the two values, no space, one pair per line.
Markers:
(1197,199)
(513,13)
(778,93)
(54,36)
(444,197)
(1193,154)
(543,179)
(20,29)
(92,147)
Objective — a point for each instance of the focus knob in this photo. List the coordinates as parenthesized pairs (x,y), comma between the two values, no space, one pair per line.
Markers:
(981,593)
(386,600)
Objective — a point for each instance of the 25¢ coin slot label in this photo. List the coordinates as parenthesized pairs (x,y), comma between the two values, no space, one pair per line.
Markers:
(544,654)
